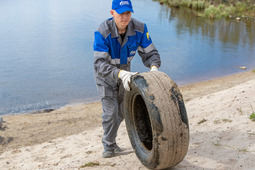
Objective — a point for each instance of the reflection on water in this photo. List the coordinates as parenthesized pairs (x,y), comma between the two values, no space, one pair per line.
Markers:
(46,55)
(228,31)
(205,48)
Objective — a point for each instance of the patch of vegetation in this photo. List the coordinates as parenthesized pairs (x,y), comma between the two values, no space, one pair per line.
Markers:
(216,122)
(217,143)
(223,120)
(202,121)
(242,150)
(253,70)
(220,11)
(252,116)
(226,120)
(217,8)
(90,164)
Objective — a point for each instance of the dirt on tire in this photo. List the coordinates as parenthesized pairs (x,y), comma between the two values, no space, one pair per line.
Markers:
(156,120)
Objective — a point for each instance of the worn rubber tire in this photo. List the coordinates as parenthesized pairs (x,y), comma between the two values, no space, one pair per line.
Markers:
(156,120)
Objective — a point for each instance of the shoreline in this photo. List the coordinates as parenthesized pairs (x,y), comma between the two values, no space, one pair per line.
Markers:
(73,132)
(216,10)
(183,86)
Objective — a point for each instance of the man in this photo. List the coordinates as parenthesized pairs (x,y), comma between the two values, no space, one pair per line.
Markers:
(116,42)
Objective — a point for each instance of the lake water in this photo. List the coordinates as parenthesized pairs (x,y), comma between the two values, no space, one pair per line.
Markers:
(46,49)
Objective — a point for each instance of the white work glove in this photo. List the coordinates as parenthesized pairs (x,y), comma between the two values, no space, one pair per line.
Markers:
(125,76)
(154,68)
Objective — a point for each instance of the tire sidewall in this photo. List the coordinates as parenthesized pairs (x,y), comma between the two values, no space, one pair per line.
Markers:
(148,157)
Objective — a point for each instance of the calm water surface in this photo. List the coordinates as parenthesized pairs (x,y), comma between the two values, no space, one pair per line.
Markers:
(46,54)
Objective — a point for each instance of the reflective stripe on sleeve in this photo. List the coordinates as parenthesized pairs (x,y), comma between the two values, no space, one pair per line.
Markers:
(115,61)
(147,49)
(104,55)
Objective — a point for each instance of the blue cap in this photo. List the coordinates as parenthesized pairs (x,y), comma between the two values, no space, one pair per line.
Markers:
(121,6)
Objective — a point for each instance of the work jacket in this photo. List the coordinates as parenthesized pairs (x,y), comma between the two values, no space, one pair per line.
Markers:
(112,54)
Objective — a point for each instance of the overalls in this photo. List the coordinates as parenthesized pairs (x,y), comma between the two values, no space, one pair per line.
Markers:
(112,55)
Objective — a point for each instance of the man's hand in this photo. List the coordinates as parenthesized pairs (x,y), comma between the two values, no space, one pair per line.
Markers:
(125,76)
(154,68)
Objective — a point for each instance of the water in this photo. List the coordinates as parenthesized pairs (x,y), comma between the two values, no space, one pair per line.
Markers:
(46,54)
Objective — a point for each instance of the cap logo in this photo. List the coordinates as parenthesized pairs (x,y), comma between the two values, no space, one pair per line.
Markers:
(121,6)
(124,3)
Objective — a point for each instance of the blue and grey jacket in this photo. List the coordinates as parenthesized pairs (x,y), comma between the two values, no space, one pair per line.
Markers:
(112,55)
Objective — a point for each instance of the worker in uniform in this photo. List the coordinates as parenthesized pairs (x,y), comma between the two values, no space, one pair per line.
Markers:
(116,42)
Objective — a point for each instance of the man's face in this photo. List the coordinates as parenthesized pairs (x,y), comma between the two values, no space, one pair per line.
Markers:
(121,20)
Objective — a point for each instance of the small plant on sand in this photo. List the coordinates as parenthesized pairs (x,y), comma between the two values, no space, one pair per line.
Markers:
(253,70)
(217,121)
(217,143)
(242,150)
(202,121)
(90,164)
(252,116)
(226,120)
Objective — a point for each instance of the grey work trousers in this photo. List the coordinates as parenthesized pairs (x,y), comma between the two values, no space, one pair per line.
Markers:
(112,117)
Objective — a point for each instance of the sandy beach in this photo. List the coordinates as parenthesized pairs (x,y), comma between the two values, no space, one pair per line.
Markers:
(222,136)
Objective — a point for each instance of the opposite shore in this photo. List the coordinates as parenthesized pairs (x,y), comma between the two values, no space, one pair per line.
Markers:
(215,9)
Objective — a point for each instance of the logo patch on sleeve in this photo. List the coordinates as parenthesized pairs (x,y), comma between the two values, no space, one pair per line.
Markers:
(148,36)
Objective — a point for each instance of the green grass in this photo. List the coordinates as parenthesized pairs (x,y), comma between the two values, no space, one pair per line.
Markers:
(252,116)
(241,7)
(199,5)
(220,11)
(186,3)
(216,10)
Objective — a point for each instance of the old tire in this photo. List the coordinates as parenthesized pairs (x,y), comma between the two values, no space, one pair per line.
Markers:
(156,120)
